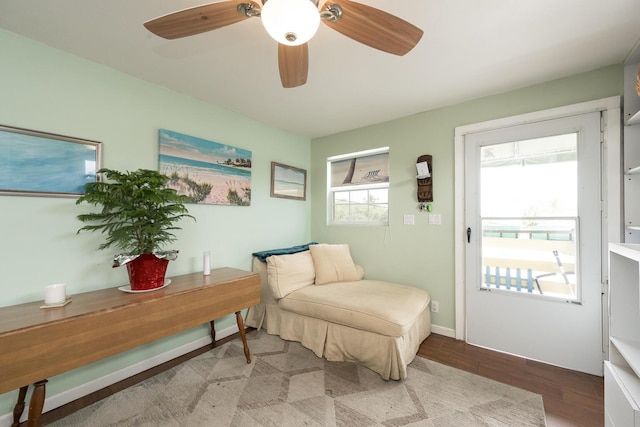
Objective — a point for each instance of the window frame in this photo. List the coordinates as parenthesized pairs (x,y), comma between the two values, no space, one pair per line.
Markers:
(331,191)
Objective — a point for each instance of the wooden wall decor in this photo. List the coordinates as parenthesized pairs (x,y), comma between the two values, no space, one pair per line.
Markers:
(425,183)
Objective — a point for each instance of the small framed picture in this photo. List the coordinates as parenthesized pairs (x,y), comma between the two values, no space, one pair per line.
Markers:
(36,163)
(288,182)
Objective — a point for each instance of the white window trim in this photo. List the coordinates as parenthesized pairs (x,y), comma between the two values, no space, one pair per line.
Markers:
(358,154)
(329,198)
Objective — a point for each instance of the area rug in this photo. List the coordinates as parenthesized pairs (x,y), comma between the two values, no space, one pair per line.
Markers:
(286,385)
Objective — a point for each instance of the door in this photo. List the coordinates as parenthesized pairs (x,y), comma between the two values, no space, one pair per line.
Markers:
(533,208)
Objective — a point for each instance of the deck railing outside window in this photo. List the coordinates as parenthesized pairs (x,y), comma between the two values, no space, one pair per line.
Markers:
(530,255)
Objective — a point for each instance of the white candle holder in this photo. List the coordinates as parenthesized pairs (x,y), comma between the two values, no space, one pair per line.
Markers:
(206,263)
(55,294)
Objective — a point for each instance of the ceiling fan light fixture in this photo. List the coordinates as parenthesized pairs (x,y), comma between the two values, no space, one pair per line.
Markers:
(290,22)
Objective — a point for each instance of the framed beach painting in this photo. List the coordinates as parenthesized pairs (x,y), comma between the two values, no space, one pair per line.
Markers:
(288,182)
(205,171)
(34,163)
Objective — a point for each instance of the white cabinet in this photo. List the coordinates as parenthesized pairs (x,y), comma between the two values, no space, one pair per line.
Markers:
(622,371)
(631,155)
(620,407)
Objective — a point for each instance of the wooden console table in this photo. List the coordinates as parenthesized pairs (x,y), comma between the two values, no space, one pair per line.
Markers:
(40,343)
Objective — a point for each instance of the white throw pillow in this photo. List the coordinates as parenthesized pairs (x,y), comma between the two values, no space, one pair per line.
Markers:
(333,263)
(288,273)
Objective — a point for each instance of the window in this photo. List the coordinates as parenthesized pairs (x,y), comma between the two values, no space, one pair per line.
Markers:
(359,187)
(529,209)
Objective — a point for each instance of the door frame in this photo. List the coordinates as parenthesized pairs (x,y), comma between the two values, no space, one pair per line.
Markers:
(611,173)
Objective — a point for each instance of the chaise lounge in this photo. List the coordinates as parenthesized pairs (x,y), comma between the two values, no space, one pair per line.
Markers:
(316,295)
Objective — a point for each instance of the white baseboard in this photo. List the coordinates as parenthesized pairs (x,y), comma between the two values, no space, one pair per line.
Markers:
(441,330)
(75,393)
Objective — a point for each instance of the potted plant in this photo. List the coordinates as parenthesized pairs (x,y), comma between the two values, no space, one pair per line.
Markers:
(138,216)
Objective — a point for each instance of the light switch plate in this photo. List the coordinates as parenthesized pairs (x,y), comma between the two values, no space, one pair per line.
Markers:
(435,219)
(409,219)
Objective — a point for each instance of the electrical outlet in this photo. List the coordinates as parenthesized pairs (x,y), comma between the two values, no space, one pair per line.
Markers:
(435,306)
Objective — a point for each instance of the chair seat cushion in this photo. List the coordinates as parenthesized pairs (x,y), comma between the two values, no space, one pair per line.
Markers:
(381,307)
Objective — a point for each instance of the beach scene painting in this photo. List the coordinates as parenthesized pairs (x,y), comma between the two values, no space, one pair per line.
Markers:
(205,171)
(35,163)
(288,182)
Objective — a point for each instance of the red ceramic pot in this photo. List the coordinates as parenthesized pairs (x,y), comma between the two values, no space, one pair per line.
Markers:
(147,272)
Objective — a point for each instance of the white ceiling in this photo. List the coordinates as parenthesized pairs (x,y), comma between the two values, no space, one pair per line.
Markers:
(470,48)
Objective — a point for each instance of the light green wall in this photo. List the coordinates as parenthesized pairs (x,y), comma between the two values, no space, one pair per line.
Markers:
(422,255)
(45,89)
(48,90)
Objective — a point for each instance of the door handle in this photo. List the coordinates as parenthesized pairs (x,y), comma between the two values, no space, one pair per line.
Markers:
(468,234)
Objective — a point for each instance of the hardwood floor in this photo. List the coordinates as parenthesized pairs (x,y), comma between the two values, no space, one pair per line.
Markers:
(570,398)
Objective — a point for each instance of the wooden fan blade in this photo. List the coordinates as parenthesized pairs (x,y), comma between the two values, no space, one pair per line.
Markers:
(375,28)
(293,62)
(196,20)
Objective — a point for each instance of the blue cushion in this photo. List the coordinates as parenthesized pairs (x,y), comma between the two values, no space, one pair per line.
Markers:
(263,255)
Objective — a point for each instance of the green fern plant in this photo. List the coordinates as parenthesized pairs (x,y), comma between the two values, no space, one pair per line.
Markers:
(138,211)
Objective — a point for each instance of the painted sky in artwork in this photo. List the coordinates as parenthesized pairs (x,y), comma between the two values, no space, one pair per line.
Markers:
(191,147)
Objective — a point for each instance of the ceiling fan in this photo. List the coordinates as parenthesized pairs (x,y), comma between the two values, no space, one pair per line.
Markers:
(292,23)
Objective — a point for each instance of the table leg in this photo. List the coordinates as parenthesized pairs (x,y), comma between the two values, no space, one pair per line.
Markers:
(243,336)
(36,403)
(19,408)
(213,333)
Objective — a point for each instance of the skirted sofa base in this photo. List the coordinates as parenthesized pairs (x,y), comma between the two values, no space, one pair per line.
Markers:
(377,324)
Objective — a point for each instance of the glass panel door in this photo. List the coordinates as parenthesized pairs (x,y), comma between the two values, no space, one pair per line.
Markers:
(533,210)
